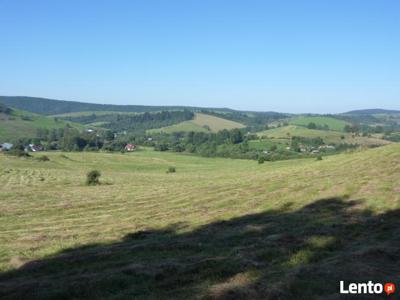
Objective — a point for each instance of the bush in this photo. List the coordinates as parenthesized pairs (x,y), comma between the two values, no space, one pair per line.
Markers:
(26,118)
(319,157)
(312,125)
(92,177)
(43,158)
(171,170)
(261,160)
(4,109)
(161,147)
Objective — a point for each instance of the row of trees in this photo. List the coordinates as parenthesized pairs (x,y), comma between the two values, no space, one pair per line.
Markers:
(312,125)
(365,130)
(71,139)
(255,121)
(134,122)
(226,143)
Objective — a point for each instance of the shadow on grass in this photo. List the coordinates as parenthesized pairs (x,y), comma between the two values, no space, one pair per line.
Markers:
(280,254)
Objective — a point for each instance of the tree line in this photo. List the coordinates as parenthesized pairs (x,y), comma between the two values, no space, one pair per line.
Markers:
(134,122)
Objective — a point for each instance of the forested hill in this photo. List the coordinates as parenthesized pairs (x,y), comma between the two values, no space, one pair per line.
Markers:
(46,106)
(374,111)
(134,122)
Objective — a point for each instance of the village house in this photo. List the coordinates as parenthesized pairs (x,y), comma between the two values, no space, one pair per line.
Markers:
(329,147)
(130,147)
(5,146)
(35,147)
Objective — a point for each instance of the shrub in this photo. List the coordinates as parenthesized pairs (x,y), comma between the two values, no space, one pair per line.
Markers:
(312,125)
(319,157)
(26,118)
(92,177)
(43,158)
(171,170)
(273,147)
(261,160)
(161,147)
(4,109)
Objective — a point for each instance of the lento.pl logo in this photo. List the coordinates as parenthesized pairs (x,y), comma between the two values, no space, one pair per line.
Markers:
(367,288)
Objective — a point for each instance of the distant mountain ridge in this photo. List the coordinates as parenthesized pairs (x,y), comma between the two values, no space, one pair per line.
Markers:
(372,111)
(45,106)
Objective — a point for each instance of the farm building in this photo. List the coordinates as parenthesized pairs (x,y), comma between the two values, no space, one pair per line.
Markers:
(35,147)
(329,147)
(130,147)
(5,146)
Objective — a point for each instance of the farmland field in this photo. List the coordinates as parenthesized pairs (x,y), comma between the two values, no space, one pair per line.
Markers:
(201,123)
(280,134)
(217,228)
(332,123)
(23,124)
(185,126)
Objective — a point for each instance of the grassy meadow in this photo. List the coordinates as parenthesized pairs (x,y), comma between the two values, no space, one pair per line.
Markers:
(215,229)
(200,123)
(333,123)
(284,133)
(23,124)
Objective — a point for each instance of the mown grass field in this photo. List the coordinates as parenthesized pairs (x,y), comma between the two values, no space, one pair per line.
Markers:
(333,123)
(185,126)
(215,123)
(201,123)
(282,134)
(217,228)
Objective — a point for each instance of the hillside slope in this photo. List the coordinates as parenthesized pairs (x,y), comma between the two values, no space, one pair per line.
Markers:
(373,111)
(201,123)
(216,228)
(320,121)
(20,124)
(328,136)
(46,106)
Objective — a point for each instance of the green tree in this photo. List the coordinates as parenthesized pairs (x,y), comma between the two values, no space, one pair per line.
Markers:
(312,125)
(236,136)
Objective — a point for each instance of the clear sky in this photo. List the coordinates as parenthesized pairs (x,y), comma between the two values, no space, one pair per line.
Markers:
(291,56)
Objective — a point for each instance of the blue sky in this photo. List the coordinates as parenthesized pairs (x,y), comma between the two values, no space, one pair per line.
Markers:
(292,56)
